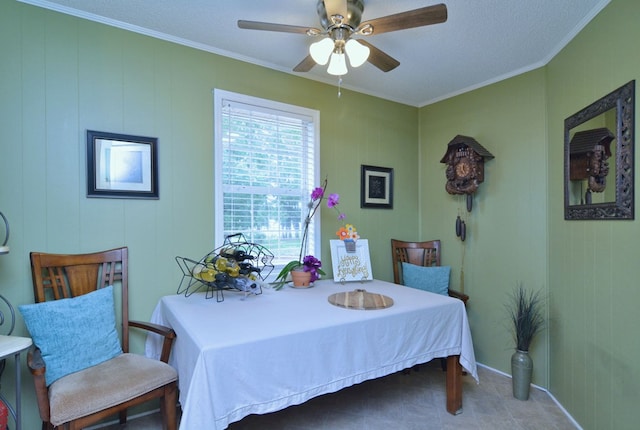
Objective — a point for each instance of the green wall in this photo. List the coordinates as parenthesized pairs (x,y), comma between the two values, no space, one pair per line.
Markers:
(60,76)
(593,266)
(588,355)
(506,229)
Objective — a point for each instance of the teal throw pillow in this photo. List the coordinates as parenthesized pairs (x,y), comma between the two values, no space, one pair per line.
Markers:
(74,334)
(434,279)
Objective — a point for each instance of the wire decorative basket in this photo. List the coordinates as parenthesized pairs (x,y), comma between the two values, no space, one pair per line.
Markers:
(236,265)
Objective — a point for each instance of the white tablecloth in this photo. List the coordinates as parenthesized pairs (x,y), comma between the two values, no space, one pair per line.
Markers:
(281,348)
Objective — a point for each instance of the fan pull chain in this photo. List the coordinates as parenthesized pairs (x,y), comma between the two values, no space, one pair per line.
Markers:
(339,86)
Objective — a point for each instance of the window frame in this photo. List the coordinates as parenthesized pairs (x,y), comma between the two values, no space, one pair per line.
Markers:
(220,96)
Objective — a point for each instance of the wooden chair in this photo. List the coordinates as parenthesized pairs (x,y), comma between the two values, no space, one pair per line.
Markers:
(90,395)
(425,253)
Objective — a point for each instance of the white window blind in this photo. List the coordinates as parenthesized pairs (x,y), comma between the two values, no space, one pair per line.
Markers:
(266,167)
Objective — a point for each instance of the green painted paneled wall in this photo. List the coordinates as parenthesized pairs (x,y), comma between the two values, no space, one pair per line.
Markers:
(506,229)
(593,265)
(60,76)
(588,355)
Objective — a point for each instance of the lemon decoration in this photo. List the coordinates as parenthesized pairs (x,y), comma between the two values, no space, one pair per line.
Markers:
(233,271)
(221,264)
(208,275)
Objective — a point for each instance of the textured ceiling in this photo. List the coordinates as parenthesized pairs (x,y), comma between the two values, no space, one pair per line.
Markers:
(483,41)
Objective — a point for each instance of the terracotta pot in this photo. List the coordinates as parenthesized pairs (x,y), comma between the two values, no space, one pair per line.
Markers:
(300,278)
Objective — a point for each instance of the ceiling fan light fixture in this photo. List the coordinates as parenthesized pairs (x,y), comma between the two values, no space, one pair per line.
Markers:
(356,52)
(337,64)
(340,20)
(321,50)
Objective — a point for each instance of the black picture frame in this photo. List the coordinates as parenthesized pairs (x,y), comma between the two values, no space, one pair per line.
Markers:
(376,187)
(121,166)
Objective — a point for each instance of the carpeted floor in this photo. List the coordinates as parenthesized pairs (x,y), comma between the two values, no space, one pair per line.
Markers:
(414,401)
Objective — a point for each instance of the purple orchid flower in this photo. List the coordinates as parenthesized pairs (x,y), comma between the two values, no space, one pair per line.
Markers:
(333,200)
(312,264)
(317,193)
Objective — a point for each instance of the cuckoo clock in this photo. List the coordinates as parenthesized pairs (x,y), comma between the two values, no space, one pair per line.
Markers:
(588,154)
(465,166)
(465,172)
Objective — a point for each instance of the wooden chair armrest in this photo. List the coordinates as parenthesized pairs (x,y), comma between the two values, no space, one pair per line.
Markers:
(156,328)
(459,295)
(37,368)
(35,362)
(163,331)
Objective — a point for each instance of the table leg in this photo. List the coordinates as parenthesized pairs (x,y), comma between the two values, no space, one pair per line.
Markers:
(454,385)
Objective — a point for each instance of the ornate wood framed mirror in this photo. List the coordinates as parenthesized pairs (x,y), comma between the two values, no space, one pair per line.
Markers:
(599,158)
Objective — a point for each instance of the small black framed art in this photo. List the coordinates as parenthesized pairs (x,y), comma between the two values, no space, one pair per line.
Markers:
(376,187)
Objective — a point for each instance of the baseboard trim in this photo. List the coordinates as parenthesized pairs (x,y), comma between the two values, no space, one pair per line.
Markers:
(568,415)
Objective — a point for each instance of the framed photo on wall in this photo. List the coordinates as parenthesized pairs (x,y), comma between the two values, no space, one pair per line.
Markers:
(122,166)
(376,187)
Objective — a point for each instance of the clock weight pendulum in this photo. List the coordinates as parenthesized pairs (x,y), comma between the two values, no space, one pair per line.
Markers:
(461,228)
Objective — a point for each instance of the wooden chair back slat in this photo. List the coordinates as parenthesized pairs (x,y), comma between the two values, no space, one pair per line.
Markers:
(58,276)
(426,253)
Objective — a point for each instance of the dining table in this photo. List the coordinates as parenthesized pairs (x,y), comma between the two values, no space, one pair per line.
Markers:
(256,354)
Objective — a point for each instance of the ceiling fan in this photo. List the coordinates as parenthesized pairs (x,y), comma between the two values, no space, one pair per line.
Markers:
(341,23)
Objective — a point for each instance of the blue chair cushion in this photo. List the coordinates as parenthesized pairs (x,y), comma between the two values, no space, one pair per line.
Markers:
(74,334)
(434,279)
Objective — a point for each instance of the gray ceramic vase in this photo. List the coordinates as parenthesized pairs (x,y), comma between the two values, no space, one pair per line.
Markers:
(521,370)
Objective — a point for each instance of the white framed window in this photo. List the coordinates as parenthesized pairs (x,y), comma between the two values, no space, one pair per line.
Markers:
(266,165)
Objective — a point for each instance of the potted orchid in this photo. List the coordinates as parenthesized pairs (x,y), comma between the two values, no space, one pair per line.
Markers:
(309,264)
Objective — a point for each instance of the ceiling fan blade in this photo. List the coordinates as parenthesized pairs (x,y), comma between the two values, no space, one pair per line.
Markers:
(305,65)
(336,7)
(413,18)
(380,59)
(267,26)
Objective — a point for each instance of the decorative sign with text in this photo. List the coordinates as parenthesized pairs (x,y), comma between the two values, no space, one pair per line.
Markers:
(351,266)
